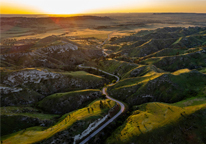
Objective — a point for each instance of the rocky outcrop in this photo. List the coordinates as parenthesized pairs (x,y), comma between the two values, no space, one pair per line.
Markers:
(50,49)
(31,85)
(14,96)
(66,54)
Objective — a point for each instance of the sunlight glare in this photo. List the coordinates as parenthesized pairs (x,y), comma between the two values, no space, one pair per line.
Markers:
(102,6)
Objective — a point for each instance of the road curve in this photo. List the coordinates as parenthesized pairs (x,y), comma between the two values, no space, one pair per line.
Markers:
(99,46)
(111,119)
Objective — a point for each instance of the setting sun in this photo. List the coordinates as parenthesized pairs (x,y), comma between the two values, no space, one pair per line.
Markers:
(100,6)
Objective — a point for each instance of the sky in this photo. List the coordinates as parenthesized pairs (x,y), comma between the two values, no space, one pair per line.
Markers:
(99,6)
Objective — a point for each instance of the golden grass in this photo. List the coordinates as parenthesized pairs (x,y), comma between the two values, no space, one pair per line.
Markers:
(154,116)
(177,41)
(178,72)
(77,74)
(145,43)
(85,33)
(36,134)
(81,74)
(14,69)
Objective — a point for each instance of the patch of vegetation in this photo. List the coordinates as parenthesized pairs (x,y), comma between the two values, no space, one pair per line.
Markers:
(61,103)
(116,67)
(203,70)
(84,75)
(164,87)
(15,98)
(192,60)
(35,83)
(36,134)
(19,118)
(143,70)
(162,123)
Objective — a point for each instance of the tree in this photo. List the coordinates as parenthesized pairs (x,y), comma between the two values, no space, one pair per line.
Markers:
(101,105)
(104,96)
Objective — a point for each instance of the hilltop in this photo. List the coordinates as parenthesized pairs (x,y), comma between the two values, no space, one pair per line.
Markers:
(163,123)
(30,85)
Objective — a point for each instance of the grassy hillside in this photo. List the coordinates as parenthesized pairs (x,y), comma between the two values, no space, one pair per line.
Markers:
(30,85)
(203,70)
(163,123)
(164,87)
(143,70)
(191,60)
(116,67)
(36,134)
(61,103)
(151,42)
(15,96)
(47,98)
(25,117)
(51,52)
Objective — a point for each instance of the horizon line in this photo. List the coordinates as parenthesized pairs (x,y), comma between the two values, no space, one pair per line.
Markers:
(114,13)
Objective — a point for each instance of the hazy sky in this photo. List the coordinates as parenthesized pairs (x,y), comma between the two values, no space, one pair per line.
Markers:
(99,6)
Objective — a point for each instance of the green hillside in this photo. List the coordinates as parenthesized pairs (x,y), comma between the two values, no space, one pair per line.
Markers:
(163,123)
(164,87)
(61,103)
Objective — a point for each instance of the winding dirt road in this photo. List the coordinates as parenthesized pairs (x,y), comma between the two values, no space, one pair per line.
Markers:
(104,92)
(99,46)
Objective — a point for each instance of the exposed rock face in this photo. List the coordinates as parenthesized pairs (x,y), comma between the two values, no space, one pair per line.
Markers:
(14,96)
(51,49)
(7,90)
(52,56)
(30,76)
(30,86)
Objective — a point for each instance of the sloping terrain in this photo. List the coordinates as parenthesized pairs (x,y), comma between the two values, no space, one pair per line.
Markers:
(61,103)
(191,60)
(164,87)
(170,68)
(164,123)
(19,118)
(67,126)
(165,69)
(30,85)
(50,52)
(160,39)
(41,81)
(116,67)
